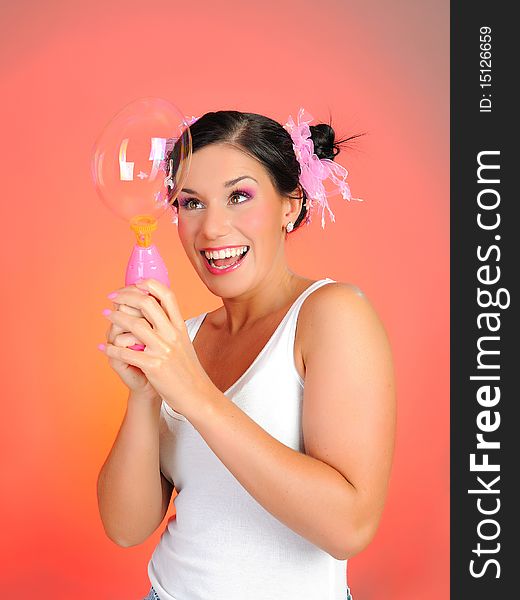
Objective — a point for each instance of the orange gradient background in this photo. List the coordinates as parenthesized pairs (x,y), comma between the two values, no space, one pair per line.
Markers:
(379,67)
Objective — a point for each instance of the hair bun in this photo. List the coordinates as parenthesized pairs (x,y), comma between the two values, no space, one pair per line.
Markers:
(323,136)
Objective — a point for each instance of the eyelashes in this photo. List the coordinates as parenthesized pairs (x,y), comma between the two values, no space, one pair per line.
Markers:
(186,202)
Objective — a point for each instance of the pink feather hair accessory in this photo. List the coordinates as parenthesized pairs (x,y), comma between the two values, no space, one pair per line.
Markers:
(314,171)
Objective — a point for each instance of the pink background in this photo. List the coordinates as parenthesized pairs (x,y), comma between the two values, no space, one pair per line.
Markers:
(66,68)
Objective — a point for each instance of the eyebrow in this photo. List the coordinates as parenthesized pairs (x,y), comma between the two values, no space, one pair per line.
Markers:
(228,184)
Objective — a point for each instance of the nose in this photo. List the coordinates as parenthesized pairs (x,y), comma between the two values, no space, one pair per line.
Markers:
(216,222)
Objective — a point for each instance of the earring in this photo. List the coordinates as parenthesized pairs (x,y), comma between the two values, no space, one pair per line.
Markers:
(289,227)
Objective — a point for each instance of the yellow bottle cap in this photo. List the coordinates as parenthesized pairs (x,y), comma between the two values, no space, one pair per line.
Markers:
(143,225)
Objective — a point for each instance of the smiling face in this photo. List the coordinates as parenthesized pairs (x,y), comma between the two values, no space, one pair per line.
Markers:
(229,200)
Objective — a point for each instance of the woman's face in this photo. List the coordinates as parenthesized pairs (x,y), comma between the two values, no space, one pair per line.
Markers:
(228,201)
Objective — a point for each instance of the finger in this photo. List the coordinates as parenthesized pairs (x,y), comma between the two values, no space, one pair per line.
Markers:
(139,327)
(130,310)
(166,299)
(130,357)
(124,340)
(149,308)
(112,331)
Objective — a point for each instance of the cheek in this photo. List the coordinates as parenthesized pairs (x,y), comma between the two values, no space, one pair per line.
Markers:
(258,220)
(185,233)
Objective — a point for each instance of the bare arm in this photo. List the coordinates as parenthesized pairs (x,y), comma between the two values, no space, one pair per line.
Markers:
(133,495)
(349,414)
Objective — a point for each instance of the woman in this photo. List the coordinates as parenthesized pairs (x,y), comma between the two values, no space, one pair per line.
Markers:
(273,416)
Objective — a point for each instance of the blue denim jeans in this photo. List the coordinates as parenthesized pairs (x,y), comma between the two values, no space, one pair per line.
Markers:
(152,595)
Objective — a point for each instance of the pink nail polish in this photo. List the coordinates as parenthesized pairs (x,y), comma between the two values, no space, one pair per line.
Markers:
(101,346)
(112,295)
(106,312)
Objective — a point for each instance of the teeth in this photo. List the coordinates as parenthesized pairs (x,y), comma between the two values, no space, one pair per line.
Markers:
(227,253)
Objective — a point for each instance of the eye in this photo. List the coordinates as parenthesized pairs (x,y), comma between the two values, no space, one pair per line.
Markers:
(187,203)
(238,194)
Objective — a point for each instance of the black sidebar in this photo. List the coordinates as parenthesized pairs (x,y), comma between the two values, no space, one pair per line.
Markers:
(485,333)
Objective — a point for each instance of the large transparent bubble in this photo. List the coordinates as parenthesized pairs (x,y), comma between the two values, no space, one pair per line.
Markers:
(141,160)
(139,165)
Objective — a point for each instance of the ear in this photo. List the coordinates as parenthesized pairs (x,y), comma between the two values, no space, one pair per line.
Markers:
(292,205)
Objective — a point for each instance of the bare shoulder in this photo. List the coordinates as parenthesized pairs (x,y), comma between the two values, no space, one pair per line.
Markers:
(334,297)
(333,310)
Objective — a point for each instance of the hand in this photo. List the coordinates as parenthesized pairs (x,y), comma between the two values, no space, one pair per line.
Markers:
(169,361)
(131,376)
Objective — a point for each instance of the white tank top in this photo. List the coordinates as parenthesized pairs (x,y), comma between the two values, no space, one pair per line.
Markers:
(222,544)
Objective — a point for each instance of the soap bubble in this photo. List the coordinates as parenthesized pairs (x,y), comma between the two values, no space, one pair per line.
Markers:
(141,159)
